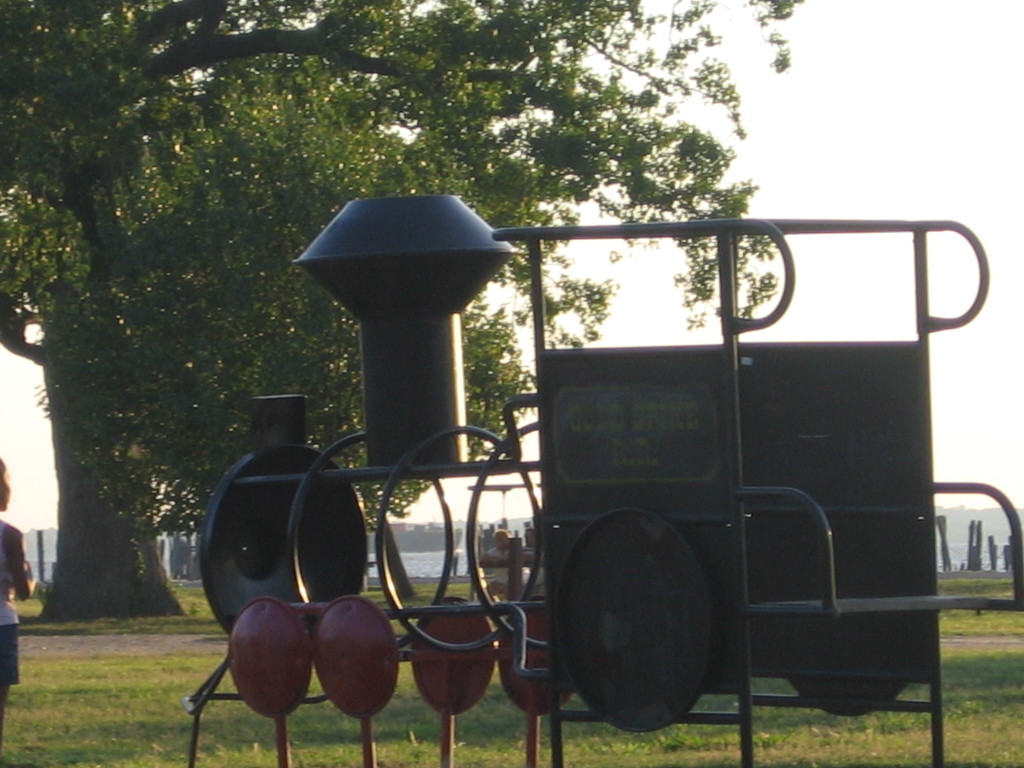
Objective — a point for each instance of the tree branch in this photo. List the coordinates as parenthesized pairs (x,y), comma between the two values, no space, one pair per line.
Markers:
(212,14)
(81,184)
(658,83)
(203,48)
(197,52)
(491,76)
(169,17)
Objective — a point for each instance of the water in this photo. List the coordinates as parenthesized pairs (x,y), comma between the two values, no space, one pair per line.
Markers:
(428,564)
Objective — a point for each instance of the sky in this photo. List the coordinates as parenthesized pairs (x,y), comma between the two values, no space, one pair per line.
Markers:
(893,109)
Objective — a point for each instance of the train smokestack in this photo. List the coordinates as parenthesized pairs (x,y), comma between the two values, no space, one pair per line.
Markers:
(406,267)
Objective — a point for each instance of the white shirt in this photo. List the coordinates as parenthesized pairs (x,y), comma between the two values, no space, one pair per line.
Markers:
(8,613)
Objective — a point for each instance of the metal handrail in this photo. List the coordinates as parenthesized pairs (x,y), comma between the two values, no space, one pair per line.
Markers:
(678,230)
(829,603)
(1012,518)
(777,230)
(917,228)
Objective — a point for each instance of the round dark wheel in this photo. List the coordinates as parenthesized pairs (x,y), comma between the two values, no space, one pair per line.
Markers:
(633,617)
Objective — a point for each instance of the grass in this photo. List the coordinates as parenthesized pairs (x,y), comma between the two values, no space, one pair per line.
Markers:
(980,623)
(124,712)
(197,619)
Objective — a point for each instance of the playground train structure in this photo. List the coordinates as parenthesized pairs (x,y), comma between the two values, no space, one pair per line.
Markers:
(707,517)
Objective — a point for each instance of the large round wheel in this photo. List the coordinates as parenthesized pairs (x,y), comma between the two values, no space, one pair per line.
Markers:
(633,617)
(246,552)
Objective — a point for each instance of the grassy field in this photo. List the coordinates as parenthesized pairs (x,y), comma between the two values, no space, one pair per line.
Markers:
(198,619)
(124,712)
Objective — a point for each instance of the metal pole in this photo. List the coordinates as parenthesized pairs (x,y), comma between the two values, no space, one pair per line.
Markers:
(532,736)
(281,733)
(369,745)
(728,249)
(447,740)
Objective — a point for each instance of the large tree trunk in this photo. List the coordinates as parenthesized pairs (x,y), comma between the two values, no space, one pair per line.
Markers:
(105,568)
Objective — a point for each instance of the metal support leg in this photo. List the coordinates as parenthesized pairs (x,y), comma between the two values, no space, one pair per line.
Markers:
(935,696)
(557,758)
(194,706)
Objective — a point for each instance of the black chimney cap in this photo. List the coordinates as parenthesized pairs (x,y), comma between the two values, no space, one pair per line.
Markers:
(405,256)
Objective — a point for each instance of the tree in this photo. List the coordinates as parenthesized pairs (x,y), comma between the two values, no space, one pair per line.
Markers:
(164,162)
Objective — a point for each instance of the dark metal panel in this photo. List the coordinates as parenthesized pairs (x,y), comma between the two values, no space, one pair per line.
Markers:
(606,416)
(849,424)
(623,425)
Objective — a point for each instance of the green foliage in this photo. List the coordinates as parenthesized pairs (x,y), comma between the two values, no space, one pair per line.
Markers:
(162,165)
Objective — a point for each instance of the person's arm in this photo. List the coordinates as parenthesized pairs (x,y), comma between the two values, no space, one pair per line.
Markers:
(21,574)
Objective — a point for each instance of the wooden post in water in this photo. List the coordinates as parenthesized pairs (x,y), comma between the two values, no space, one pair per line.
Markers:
(41,554)
(970,544)
(993,554)
(974,538)
(940,522)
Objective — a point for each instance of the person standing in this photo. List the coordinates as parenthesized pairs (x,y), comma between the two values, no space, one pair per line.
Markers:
(493,561)
(15,582)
